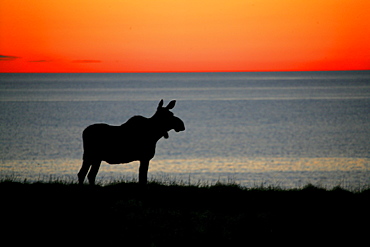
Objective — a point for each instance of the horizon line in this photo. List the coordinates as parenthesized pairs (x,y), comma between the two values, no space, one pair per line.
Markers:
(168,72)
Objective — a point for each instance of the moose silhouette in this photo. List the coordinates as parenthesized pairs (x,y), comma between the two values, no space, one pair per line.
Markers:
(134,140)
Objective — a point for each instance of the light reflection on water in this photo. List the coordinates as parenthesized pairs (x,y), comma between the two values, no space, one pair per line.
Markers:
(352,173)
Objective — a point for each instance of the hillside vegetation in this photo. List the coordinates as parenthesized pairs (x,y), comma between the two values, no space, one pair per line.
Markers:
(124,214)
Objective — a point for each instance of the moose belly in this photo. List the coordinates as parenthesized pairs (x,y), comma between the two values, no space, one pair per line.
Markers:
(128,154)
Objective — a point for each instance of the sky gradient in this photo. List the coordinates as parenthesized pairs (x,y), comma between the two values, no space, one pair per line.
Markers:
(183,35)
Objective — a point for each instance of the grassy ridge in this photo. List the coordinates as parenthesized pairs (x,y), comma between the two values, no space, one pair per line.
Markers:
(180,215)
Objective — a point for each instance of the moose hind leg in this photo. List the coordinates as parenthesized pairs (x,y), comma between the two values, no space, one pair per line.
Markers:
(83,171)
(93,171)
(143,172)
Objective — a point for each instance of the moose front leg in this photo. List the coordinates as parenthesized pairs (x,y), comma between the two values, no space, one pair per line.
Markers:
(143,172)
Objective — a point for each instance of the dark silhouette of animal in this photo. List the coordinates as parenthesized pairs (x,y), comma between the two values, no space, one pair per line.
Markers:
(134,140)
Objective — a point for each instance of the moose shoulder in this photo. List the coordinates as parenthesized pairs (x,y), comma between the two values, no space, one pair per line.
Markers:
(134,140)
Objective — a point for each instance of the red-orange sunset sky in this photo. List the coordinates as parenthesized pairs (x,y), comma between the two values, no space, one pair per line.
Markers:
(183,35)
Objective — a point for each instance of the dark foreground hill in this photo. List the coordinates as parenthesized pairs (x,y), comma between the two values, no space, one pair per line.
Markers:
(121,214)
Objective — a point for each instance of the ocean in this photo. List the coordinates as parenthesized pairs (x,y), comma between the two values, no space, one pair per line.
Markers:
(283,129)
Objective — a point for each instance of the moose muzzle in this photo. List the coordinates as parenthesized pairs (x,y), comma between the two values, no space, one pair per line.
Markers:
(178,125)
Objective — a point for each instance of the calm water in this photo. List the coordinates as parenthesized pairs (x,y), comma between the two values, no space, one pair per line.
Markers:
(286,129)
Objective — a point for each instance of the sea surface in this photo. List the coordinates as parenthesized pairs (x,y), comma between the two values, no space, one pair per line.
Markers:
(283,129)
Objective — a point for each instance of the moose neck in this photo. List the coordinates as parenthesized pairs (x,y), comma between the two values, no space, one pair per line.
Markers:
(158,128)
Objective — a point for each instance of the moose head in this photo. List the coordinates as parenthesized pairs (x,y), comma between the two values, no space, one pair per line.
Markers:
(167,120)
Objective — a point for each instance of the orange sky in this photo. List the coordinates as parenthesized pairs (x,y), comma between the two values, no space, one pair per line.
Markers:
(183,35)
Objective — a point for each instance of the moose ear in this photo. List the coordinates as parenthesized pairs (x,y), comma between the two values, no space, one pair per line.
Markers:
(160,104)
(171,105)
